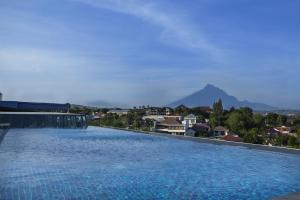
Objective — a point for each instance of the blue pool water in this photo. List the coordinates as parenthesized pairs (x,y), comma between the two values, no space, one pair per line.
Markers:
(101,163)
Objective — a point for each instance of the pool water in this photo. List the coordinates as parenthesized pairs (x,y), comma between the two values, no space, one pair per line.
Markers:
(100,163)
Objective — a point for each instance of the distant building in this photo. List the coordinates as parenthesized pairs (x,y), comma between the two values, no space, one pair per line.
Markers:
(1,96)
(167,111)
(197,129)
(281,130)
(177,117)
(170,125)
(273,132)
(43,120)
(119,112)
(19,106)
(162,117)
(201,127)
(153,111)
(189,121)
(154,117)
(39,115)
(220,131)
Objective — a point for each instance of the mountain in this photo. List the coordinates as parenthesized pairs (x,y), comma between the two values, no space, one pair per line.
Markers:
(209,94)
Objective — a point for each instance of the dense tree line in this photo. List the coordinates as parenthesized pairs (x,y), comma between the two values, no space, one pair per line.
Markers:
(253,128)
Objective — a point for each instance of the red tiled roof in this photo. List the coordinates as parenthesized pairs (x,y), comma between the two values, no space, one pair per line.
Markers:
(232,138)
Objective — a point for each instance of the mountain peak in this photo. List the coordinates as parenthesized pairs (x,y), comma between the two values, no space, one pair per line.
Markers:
(209,86)
(210,93)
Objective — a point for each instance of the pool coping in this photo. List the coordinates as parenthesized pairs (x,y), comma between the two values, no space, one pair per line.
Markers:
(214,141)
(291,196)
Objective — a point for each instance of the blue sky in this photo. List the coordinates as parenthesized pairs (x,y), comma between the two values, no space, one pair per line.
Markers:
(138,52)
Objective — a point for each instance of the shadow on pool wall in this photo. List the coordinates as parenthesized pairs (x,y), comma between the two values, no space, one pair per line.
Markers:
(3,130)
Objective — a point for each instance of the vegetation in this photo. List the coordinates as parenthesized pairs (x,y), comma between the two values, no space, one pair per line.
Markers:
(133,120)
(216,117)
(251,127)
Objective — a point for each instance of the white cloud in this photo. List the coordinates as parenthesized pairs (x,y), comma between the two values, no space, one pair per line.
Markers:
(177,31)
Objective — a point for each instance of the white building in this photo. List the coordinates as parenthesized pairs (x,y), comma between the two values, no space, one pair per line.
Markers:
(189,121)
(170,125)
(119,112)
(154,117)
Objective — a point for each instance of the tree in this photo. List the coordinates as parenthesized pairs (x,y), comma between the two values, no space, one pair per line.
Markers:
(216,117)
(271,119)
(281,120)
(247,115)
(240,120)
(292,141)
(297,120)
(281,140)
(182,110)
(200,118)
(253,137)
(259,121)
(235,122)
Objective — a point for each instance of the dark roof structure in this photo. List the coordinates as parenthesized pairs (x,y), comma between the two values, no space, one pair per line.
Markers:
(201,127)
(19,106)
(170,121)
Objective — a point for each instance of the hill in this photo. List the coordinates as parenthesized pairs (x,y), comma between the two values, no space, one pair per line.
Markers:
(209,94)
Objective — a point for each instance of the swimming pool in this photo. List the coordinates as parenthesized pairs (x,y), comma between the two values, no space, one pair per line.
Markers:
(100,163)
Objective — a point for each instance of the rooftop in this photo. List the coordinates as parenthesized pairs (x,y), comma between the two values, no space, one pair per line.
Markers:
(190,116)
(170,121)
(36,113)
(33,106)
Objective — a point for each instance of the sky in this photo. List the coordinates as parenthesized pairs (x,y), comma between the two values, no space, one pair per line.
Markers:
(140,52)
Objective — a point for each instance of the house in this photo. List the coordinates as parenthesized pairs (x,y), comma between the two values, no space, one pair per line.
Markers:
(170,125)
(152,111)
(197,129)
(281,130)
(233,138)
(189,121)
(167,111)
(272,132)
(119,112)
(220,131)
(201,127)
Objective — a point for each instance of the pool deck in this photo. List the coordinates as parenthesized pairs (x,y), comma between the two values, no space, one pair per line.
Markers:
(218,141)
(292,196)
